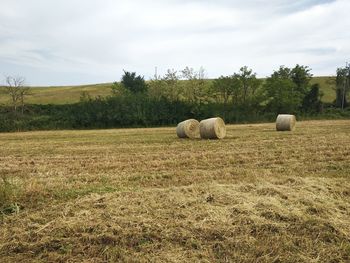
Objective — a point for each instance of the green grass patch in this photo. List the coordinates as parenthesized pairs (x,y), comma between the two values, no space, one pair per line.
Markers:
(8,196)
(327,87)
(72,193)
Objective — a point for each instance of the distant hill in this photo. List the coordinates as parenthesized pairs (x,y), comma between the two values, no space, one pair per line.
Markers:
(61,94)
(72,94)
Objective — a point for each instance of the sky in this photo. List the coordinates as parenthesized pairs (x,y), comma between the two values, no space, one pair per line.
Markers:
(72,42)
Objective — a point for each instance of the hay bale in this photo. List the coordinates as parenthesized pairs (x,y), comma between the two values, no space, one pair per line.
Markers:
(285,122)
(213,128)
(188,129)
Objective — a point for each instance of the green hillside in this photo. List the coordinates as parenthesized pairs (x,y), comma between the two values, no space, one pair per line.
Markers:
(61,94)
(71,94)
(327,87)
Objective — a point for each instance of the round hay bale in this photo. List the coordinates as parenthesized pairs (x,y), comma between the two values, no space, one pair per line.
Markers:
(213,128)
(285,122)
(188,129)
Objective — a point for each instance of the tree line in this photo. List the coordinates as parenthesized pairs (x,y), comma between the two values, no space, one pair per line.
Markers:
(178,95)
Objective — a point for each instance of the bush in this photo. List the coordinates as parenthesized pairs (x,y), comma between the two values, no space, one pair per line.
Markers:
(140,110)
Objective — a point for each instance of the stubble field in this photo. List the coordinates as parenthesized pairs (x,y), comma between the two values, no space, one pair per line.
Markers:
(143,195)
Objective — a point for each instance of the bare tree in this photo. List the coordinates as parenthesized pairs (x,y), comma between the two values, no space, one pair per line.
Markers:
(16,89)
(195,87)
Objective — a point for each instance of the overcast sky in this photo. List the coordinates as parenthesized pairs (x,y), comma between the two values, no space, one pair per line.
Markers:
(66,42)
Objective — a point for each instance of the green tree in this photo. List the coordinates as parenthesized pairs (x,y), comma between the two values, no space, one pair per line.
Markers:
(289,90)
(282,93)
(312,100)
(301,76)
(168,86)
(133,83)
(157,88)
(173,87)
(342,86)
(225,90)
(249,83)
(195,86)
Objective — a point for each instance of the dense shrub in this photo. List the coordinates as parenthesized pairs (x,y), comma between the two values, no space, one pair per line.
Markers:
(135,111)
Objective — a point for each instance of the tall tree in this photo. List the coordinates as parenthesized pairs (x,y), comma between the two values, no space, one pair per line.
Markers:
(312,100)
(133,83)
(173,86)
(281,92)
(301,76)
(195,87)
(16,89)
(342,86)
(249,83)
(225,88)
(289,90)
(168,86)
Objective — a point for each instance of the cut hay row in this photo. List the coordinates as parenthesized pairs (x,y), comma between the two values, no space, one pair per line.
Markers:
(143,195)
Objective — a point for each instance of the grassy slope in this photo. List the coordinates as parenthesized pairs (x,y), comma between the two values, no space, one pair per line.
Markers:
(327,87)
(61,95)
(71,94)
(142,195)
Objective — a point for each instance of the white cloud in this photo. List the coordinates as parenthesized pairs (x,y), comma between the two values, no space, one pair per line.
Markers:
(88,41)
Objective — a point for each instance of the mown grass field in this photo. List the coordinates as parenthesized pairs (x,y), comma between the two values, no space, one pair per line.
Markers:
(72,94)
(143,195)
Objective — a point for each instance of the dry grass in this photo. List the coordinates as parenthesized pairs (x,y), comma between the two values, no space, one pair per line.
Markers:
(60,94)
(143,195)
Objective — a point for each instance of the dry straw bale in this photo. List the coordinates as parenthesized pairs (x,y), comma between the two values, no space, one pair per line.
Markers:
(213,128)
(285,122)
(188,129)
